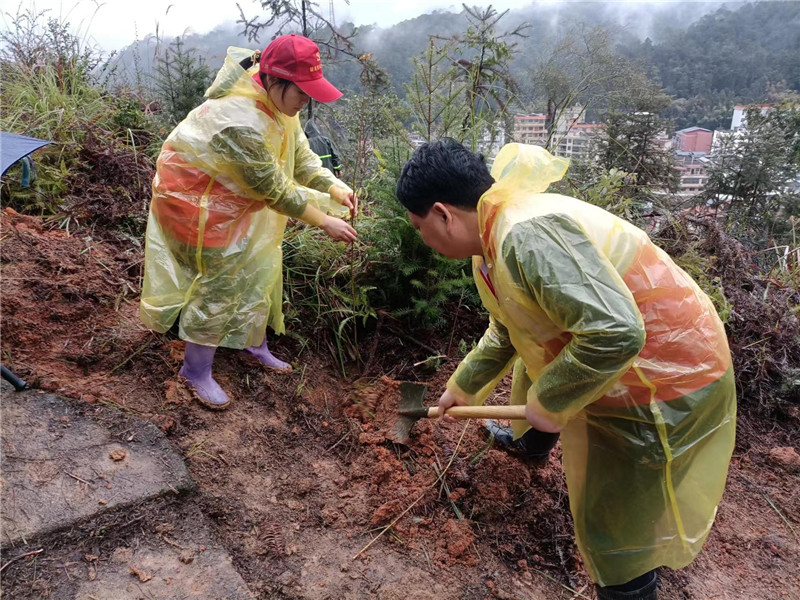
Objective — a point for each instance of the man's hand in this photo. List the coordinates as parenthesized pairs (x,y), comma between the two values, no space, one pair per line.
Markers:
(539,422)
(447,400)
(338,230)
(345,198)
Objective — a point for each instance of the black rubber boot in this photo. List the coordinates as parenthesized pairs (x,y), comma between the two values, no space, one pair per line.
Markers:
(644,587)
(534,445)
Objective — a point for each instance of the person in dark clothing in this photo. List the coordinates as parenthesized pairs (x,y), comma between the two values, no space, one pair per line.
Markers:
(322,146)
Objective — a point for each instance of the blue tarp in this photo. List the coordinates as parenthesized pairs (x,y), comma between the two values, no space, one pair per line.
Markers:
(14,147)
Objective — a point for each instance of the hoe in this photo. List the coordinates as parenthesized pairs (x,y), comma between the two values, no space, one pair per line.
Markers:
(412,409)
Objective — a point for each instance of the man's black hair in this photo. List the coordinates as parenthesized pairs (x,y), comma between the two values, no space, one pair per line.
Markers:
(442,171)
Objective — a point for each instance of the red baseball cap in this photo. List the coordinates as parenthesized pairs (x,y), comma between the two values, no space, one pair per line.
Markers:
(297,59)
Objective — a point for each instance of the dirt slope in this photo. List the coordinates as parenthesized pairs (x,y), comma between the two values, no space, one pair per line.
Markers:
(298,475)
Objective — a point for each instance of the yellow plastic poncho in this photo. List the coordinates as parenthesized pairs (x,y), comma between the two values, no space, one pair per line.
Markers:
(608,336)
(227,180)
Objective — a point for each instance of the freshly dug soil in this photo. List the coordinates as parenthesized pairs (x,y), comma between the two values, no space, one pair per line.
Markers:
(300,474)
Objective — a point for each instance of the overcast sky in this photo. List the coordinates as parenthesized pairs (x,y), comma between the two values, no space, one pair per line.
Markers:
(113,24)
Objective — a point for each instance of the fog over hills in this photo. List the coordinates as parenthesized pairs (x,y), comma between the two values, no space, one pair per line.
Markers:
(635,20)
(709,55)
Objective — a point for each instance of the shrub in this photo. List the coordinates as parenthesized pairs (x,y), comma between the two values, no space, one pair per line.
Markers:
(410,278)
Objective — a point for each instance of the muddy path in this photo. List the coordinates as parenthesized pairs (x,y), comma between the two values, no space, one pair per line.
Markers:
(298,476)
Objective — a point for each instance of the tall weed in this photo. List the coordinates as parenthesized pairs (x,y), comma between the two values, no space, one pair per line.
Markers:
(97,171)
(34,103)
(324,294)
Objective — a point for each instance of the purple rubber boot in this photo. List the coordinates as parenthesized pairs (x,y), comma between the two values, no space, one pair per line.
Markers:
(196,369)
(266,358)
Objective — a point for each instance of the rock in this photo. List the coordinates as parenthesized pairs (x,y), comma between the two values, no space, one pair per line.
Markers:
(459,537)
(787,457)
(73,467)
(141,573)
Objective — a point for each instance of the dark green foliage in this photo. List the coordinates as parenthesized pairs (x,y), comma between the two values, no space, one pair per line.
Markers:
(740,51)
(409,278)
(708,112)
(727,57)
(180,80)
(753,179)
(631,144)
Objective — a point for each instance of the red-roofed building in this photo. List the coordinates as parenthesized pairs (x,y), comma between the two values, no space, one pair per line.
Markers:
(694,139)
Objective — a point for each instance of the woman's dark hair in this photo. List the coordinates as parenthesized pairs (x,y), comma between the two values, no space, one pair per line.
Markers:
(443,171)
(269,82)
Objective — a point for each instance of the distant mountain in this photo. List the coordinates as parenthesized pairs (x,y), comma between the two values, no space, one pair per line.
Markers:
(741,50)
(727,57)
(394,46)
(732,50)
(135,62)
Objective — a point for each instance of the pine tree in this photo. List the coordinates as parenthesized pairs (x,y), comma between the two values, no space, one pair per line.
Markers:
(434,93)
(754,174)
(180,80)
(634,144)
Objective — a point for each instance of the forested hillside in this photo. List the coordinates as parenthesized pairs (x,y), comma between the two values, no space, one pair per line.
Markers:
(727,57)
(733,54)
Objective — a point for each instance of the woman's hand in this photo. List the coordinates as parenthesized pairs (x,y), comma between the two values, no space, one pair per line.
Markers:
(338,230)
(447,400)
(345,198)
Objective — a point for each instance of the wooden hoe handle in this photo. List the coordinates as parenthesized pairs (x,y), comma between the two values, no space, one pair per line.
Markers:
(515,411)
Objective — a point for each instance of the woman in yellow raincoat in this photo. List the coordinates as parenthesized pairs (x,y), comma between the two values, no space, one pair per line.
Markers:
(227,180)
(611,344)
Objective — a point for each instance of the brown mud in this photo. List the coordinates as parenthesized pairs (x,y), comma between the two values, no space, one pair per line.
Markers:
(300,474)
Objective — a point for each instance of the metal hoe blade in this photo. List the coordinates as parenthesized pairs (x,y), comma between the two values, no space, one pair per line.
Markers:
(411,409)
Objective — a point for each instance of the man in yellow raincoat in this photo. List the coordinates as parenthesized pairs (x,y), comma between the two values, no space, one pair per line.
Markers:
(611,344)
(228,178)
